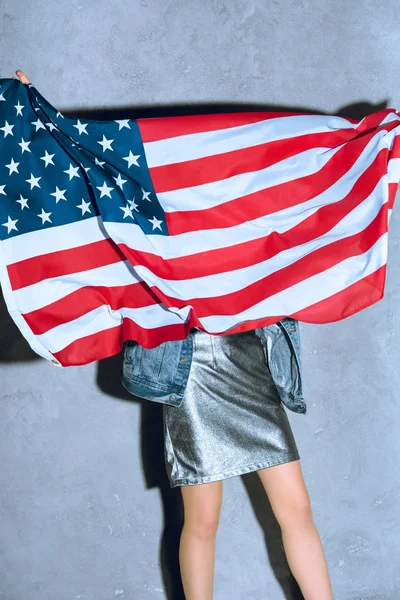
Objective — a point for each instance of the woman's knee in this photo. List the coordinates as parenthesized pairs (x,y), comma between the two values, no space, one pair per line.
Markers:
(203,526)
(294,511)
(287,492)
(202,507)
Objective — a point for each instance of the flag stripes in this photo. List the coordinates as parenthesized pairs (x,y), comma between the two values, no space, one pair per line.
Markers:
(267,215)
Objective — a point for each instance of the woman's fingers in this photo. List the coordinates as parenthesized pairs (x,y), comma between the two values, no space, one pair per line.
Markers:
(22,77)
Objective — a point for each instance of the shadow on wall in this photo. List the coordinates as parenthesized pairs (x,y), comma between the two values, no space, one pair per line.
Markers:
(14,348)
(357,110)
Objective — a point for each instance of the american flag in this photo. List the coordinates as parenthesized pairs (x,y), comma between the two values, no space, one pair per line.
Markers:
(143,229)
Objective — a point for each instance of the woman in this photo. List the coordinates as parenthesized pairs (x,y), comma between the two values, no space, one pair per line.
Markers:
(225,418)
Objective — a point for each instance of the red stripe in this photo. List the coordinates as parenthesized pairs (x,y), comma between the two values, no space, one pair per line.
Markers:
(138,295)
(395,151)
(372,123)
(105,344)
(244,254)
(270,200)
(354,298)
(202,264)
(86,299)
(347,302)
(161,128)
(105,252)
(222,166)
(109,342)
(63,262)
(343,304)
(317,261)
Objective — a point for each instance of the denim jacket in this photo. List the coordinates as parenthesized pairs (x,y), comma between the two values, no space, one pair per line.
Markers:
(161,373)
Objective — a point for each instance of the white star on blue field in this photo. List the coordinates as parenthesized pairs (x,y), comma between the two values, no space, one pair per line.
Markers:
(56,170)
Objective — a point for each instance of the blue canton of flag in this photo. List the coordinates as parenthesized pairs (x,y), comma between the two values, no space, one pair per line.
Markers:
(60,168)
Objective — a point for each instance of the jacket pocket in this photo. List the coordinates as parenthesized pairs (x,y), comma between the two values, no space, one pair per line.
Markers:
(156,368)
(142,363)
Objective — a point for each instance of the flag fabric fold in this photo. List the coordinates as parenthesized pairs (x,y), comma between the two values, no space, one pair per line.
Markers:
(143,229)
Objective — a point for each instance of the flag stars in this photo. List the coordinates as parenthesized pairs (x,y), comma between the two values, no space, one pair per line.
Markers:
(132,205)
(146,195)
(11,224)
(59,115)
(51,126)
(13,167)
(106,144)
(72,171)
(58,194)
(23,202)
(7,129)
(127,211)
(38,124)
(119,181)
(132,159)
(105,190)
(81,127)
(123,123)
(98,162)
(34,181)
(45,216)
(2,97)
(24,145)
(19,108)
(156,223)
(2,190)
(48,158)
(85,207)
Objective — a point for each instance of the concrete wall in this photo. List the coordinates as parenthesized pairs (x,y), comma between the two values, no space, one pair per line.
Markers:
(86,509)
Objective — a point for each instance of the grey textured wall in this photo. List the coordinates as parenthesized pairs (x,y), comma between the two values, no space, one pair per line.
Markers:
(86,509)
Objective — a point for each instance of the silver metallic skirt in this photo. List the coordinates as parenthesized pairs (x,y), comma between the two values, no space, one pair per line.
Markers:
(231,420)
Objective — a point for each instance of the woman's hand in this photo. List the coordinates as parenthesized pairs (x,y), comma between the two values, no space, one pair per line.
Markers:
(22,77)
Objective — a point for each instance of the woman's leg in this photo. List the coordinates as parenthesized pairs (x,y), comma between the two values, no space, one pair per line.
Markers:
(288,495)
(202,506)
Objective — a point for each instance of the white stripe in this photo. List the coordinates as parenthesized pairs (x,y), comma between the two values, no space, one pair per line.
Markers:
(50,290)
(301,295)
(394,170)
(281,221)
(91,230)
(212,194)
(123,273)
(103,318)
(61,237)
(15,313)
(305,163)
(198,145)
(232,281)
(309,291)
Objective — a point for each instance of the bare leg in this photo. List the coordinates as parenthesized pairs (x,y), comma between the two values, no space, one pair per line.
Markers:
(202,506)
(288,495)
